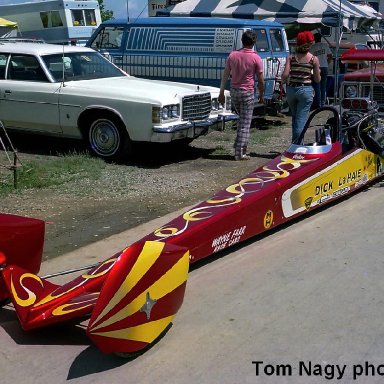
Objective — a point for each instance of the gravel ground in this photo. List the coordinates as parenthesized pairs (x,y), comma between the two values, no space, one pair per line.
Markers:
(160,180)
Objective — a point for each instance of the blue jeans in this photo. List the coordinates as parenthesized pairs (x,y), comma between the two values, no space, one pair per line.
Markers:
(299,100)
(321,89)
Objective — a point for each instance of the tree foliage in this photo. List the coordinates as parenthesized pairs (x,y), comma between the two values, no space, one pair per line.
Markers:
(105,13)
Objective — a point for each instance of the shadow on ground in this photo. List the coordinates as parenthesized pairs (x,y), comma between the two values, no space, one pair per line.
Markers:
(65,334)
(92,360)
(146,155)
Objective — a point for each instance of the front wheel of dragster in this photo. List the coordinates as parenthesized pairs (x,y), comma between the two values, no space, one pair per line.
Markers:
(108,138)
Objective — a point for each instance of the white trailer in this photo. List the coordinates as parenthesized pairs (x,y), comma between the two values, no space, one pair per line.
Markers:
(55,21)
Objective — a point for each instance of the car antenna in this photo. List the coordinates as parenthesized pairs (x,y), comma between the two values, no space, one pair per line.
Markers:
(63,70)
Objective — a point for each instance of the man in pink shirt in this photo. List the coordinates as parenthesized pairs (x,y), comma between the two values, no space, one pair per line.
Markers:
(243,66)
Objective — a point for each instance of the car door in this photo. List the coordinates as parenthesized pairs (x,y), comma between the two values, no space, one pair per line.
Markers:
(28,99)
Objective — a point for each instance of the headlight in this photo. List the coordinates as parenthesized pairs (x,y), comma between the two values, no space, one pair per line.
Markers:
(350,91)
(165,114)
(175,111)
(215,105)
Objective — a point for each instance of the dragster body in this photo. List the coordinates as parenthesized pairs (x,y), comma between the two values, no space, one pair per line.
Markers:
(132,297)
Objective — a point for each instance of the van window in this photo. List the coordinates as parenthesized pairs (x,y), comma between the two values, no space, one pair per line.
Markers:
(108,37)
(277,41)
(261,40)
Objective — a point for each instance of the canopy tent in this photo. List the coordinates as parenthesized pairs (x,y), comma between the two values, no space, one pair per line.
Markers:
(8,28)
(292,13)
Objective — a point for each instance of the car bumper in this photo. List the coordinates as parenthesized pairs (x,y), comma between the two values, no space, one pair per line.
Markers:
(190,130)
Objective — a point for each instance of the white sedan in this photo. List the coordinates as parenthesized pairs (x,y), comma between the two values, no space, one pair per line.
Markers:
(75,92)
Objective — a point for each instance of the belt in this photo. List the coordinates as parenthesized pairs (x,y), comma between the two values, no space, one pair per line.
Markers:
(299,85)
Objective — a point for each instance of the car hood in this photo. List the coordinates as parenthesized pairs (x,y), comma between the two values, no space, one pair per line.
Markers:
(365,74)
(133,88)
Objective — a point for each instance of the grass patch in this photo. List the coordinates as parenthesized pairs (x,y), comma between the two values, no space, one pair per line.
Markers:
(45,173)
(262,137)
(263,133)
(221,150)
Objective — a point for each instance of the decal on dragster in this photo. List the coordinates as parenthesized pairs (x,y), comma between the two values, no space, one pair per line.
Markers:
(338,179)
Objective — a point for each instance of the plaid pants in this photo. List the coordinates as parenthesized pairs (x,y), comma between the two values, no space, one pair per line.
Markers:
(243,102)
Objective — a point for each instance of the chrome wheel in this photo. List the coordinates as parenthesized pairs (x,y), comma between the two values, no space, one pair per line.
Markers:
(105,138)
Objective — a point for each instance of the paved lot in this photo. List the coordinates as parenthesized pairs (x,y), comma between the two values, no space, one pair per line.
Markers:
(307,301)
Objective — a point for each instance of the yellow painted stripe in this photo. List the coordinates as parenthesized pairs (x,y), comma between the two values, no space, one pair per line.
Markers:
(148,256)
(74,307)
(145,333)
(172,279)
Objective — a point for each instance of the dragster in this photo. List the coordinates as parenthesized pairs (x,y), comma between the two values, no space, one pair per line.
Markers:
(132,297)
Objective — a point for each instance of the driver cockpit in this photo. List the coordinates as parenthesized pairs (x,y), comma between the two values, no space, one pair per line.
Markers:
(320,131)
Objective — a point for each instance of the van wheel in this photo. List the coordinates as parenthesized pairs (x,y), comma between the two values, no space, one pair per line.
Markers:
(108,139)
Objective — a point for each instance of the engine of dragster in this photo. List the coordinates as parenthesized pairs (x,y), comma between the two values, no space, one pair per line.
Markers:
(362,125)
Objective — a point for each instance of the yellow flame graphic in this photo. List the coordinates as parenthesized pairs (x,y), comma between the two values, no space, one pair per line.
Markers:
(238,190)
(86,277)
(31,295)
(73,307)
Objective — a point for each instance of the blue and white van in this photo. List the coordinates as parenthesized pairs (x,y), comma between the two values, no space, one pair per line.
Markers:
(188,49)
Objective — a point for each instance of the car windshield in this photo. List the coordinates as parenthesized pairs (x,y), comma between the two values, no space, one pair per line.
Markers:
(76,66)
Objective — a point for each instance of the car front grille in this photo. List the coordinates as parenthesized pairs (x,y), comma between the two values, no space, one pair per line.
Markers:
(196,107)
(378,92)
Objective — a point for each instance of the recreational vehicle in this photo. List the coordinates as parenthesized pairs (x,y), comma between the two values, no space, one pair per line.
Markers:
(189,50)
(55,21)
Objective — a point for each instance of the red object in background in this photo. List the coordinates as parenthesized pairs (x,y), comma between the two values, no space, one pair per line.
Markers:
(22,242)
(363,55)
(365,74)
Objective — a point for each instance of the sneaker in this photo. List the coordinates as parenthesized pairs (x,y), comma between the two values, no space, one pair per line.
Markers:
(244,157)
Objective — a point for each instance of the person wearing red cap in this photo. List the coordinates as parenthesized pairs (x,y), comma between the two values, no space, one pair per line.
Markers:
(243,66)
(300,70)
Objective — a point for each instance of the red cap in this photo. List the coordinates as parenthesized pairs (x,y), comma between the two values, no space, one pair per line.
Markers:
(304,37)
